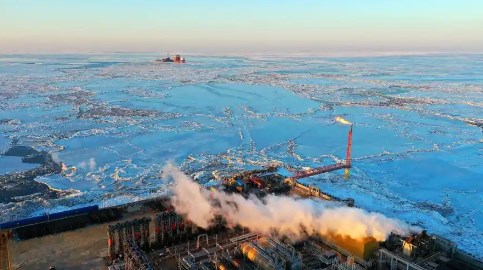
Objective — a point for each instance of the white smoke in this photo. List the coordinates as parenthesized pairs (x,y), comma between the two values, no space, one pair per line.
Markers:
(287,216)
(91,164)
(189,198)
(55,157)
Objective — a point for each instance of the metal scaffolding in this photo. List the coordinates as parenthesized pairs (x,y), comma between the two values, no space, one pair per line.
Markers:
(396,262)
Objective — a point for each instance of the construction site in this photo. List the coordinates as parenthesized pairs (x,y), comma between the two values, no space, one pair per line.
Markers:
(151,234)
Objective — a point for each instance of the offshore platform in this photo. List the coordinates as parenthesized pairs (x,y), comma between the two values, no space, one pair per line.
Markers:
(150,235)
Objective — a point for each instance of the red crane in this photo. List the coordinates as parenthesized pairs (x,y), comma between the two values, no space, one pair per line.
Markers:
(332,167)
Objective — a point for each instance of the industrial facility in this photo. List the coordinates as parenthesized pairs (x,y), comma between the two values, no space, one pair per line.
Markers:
(151,235)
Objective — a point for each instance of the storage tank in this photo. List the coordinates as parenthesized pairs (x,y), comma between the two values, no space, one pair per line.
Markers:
(256,255)
(225,265)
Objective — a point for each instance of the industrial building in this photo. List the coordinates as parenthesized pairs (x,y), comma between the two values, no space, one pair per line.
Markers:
(162,239)
(177,243)
(151,235)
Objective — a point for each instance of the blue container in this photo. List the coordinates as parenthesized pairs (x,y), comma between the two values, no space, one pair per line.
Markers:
(73,212)
(50,217)
(23,222)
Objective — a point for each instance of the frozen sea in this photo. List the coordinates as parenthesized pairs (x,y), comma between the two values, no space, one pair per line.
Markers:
(118,118)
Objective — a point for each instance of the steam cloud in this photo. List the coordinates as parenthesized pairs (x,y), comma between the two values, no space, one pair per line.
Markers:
(91,164)
(286,216)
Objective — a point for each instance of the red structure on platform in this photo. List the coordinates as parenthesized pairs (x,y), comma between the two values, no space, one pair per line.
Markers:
(331,167)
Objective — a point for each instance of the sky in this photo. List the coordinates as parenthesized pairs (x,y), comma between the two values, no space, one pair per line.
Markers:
(229,26)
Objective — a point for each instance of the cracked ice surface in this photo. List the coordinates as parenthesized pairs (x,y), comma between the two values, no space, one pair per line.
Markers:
(118,118)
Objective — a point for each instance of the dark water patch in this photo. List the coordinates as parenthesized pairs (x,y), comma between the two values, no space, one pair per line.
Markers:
(392,102)
(76,98)
(475,122)
(19,184)
(93,65)
(444,209)
(106,111)
(9,122)
(399,101)
(20,151)
(392,90)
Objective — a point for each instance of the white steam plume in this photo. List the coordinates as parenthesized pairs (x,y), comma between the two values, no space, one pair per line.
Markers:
(287,216)
(91,164)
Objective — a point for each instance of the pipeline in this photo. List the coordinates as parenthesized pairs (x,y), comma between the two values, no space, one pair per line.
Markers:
(170,227)
(135,258)
(261,257)
(136,230)
(306,190)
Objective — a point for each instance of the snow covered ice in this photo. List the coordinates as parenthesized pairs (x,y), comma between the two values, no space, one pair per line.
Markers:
(118,118)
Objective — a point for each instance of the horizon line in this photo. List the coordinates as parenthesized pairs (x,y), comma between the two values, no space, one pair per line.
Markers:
(261,53)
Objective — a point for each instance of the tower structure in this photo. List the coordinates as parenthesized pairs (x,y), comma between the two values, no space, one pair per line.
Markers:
(348,154)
